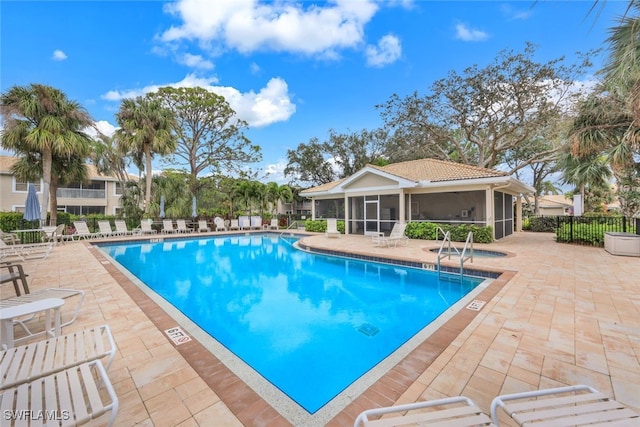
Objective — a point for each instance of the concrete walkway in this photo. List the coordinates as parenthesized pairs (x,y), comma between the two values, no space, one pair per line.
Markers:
(562,315)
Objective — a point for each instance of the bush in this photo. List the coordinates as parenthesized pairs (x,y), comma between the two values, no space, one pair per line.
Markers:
(320,226)
(427,231)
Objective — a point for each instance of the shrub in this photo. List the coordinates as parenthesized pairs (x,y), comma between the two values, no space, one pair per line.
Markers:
(320,225)
(427,231)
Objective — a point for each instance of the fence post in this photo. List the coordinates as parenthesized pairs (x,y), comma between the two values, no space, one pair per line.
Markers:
(637,225)
(624,224)
(571,229)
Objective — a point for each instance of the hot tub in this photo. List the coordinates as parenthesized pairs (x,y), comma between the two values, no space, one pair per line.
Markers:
(617,243)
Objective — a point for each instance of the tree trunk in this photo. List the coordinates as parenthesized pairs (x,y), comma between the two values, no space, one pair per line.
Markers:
(46,178)
(147,195)
(53,189)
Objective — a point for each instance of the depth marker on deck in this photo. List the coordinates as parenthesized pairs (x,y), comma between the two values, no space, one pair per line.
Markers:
(177,335)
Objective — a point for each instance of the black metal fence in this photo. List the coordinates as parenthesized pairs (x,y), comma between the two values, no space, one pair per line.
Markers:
(584,230)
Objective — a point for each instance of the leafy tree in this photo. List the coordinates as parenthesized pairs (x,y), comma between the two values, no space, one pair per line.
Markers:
(110,158)
(174,186)
(342,155)
(145,127)
(41,120)
(209,136)
(587,174)
(478,116)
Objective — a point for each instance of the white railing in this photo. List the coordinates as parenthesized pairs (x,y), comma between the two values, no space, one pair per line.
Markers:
(81,193)
(450,248)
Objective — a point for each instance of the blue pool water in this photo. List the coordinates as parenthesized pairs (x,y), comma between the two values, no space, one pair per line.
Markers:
(310,324)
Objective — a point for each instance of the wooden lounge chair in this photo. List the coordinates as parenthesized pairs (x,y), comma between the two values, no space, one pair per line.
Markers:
(452,411)
(34,360)
(564,406)
(181,226)
(73,393)
(202,226)
(167,226)
(332,228)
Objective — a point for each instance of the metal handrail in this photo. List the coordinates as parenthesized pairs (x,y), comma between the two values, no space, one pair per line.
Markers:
(468,245)
(438,231)
(290,226)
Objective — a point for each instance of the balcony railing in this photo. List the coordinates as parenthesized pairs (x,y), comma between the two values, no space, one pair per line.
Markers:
(81,193)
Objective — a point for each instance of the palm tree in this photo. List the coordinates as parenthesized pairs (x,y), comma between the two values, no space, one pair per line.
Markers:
(41,119)
(145,127)
(583,172)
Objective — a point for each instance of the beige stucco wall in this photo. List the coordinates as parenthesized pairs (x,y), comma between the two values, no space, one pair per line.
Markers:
(370,181)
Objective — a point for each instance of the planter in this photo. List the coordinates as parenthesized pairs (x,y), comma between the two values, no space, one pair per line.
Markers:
(617,243)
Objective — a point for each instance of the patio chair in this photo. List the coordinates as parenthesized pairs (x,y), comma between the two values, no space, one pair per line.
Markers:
(256,223)
(452,411)
(123,230)
(15,273)
(9,238)
(25,251)
(202,226)
(563,406)
(34,360)
(74,392)
(181,226)
(332,228)
(396,235)
(105,230)
(167,226)
(234,225)
(274,224)
(145,228)
(56,235)
(82,231)
(245,223)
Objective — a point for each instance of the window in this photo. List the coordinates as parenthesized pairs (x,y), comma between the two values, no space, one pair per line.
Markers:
(24,186)
(118,189)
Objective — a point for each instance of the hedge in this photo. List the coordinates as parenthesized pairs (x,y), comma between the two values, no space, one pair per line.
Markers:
(320,225)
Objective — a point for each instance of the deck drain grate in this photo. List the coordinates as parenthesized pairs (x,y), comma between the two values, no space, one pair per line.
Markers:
(476,305)
(368,329)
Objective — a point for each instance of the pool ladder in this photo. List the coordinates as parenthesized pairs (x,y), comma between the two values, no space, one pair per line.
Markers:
(446,243)
(294,223)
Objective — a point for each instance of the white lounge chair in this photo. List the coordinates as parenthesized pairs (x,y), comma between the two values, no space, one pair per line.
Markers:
(123,230)
(34,360)
(245,223)
(73,393)
(55,235)
(167,226)
(234,225)
(256,223)
(181,226)
(104,228)
(82,231)
(25,251)
(332,228)
(145,228)
(274,224)
(9,238)
(202,226)
(564,406)
(396,235)
(452,411)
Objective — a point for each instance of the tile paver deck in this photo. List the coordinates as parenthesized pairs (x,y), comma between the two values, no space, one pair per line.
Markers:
(565,315)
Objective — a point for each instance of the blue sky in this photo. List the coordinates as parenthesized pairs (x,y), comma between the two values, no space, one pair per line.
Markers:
(292,69)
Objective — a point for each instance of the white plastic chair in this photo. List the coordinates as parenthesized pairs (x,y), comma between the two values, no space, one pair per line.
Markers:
(332,228)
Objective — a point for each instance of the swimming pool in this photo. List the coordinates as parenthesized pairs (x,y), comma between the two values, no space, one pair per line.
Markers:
(309,324)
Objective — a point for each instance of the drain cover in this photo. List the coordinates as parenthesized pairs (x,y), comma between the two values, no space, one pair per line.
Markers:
(368,329)
(476,305)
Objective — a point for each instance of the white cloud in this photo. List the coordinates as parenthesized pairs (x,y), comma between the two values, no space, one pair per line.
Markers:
(255,68)
(105,127)
(248,25)
(275,172)
(195,61)
(467,34)
(514,14)
(59,55)
(269,105)
(386,52)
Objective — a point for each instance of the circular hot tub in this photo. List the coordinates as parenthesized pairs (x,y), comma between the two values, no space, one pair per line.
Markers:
(476,252)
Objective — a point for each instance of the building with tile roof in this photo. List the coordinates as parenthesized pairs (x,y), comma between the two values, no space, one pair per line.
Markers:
(376,197)
(101,194)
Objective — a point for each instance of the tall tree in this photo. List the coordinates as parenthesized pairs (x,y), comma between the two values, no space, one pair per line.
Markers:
(41,119)
(146,126)
(479,115)
(110,158)
(209,135)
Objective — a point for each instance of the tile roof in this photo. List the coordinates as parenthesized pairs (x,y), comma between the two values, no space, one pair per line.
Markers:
(431,170)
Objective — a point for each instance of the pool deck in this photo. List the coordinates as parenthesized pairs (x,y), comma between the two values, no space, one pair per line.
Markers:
(561,314)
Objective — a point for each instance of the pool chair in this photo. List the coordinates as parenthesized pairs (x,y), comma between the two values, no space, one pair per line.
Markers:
(105,230)
(234,225)
(145,228)
(564,406)
(245,223)
(452,411)
(256,223)
(123,230)
(82,231)
(332,228)
(219,224)
(26,251)
(74,393)
(9,238)
(167,226)
(38,359)
(55,235)
(181,226)
(203,227)
(274,224)
(396,235)
(15,274)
